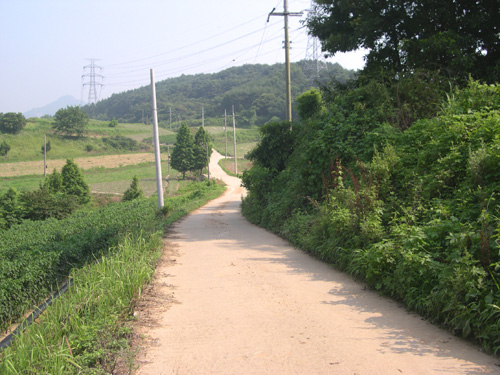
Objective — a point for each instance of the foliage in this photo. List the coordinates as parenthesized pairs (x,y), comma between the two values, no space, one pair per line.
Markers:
(11,122)
(120,142)
(310,104)
(73,182)
(403,36)
(183,153)
(274,148)
(411,209)
(202,150)
(257,92)
(134,191)
(46,147)
(71,120)
(4,148)
(119,237)
(113,123)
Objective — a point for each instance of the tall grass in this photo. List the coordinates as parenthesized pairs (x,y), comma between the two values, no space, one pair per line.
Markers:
(83,331)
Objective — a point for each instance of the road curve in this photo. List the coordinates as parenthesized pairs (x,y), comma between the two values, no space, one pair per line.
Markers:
(231,298)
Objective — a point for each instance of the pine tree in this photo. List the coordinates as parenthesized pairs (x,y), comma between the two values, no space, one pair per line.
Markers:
(182,154)
(133,192)
(73,182)
(201,142)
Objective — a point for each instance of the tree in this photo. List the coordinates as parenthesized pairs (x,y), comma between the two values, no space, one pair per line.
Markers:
(53,182)
(46,147)
(310,104)
(183,153)
(274,148)
(4,148)
(456,37)
(10,209)
(12,122)
(202,149)
(73,182)
(134,191)
(70,120)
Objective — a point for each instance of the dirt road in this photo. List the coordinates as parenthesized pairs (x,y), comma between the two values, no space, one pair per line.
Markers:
(231,298)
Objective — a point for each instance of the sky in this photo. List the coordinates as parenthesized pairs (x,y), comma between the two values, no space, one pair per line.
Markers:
(45,45)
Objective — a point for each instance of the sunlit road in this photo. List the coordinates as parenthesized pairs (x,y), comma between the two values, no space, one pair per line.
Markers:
(232,298)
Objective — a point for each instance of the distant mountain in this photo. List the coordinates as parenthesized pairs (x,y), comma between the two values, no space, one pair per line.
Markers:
(52,108)
(256,91)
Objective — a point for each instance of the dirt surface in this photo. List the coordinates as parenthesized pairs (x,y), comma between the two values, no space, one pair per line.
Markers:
(231,298)
(107,161)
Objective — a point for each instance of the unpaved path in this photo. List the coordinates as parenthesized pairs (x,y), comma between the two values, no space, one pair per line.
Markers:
(231,298)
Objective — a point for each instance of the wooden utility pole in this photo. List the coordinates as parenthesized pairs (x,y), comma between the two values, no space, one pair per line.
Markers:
(44,155)
(285,14)
(159,186)
(234,144)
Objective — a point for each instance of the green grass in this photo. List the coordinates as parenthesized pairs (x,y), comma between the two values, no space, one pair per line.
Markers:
(87,328)
(112,180)
(228,165)
(26,145)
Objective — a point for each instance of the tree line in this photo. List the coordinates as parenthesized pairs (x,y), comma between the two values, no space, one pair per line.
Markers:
(256,90)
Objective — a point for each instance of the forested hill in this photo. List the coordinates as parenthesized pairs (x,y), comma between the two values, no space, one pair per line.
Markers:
(256,91)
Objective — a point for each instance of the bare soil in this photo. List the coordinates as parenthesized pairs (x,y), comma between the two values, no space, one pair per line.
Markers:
(231,298)
(106,161)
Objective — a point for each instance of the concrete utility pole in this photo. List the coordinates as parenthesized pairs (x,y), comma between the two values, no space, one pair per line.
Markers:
(234,144)
(170,118)
(285,14)
(225,130)
(159,186)
(206,140)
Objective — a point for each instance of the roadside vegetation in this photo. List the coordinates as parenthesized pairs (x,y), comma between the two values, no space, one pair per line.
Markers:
(108,254)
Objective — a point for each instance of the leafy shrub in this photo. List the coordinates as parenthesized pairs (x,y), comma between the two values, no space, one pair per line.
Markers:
(122,143)
(134,191)
(4,148)
(11,122)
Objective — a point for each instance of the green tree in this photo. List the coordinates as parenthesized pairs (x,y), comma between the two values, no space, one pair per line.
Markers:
(113,123)
(134,191)
(46,147)
(183,152)
(456,37)
(275,146)
(4,148)
(41,204)
(73,182)
(12,122)
(310,104)
(201,150)
(10,209)
(53,182)
(71,120)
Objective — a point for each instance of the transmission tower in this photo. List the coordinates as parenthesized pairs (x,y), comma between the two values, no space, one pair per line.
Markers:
(93,80)
(314,59)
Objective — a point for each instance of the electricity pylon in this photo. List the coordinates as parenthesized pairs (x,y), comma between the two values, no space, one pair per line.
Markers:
(94,80)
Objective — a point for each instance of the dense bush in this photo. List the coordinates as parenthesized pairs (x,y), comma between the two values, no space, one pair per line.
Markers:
(4,148)
(122,143)
(12,122)
(410,207)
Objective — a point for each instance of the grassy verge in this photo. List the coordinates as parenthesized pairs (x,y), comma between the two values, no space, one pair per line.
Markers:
(83,331)
(228,166)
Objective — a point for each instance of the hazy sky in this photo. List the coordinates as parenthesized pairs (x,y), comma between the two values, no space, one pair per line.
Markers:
(45,44)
